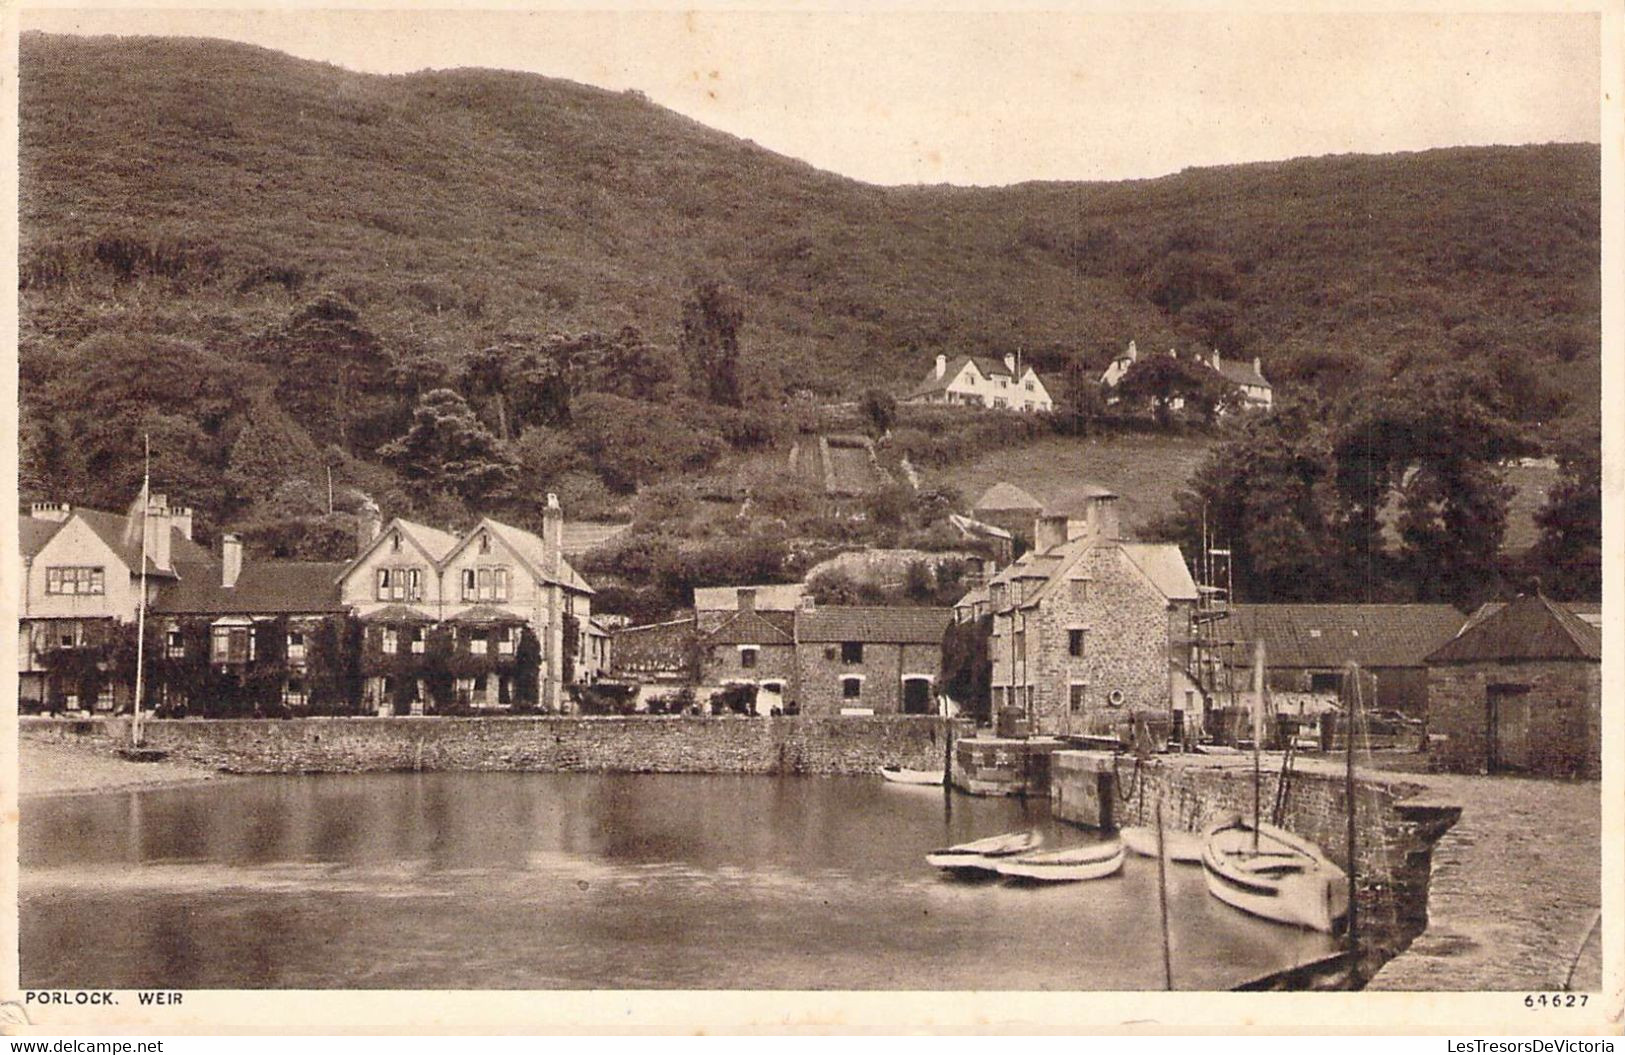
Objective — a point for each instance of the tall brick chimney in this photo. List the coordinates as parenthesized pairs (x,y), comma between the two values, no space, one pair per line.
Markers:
(157,523)
(369,523)
(1049,531)
(231,560)
(942,365)
(747,598)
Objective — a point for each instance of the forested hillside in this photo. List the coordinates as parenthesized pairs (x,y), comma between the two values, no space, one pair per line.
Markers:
(459,289)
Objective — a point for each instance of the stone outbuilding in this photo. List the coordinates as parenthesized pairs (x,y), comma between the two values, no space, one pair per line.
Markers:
(869,660)
(1519,691)
(1307,645)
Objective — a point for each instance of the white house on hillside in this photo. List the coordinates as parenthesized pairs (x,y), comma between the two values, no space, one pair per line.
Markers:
(1256,391)
(972,380)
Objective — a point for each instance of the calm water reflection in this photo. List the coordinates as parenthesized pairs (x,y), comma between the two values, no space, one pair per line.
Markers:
(530,880)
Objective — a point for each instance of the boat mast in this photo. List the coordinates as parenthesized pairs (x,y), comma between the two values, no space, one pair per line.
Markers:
(1258,730)
(1352,698)
(141,598)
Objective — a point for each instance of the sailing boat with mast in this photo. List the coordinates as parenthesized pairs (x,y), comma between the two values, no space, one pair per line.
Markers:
(1265,870)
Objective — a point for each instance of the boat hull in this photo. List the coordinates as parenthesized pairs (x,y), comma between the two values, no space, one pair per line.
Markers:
(980,854)
(914,777)
(1290,881)
(1182,847)
(1063,866)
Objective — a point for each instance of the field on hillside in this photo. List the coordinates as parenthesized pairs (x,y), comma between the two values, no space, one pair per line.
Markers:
(1146,471)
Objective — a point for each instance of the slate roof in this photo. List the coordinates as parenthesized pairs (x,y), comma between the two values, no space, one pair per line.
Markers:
(485,615)
(1164,565)
(530,546)
(1240,372)
(1330,635)
(1529,628)
(990,366)
(973,598)
(263,588)
(978,529)
(1004,496)
(874,624)
(1589,611)
(774,597)
(436,543)
(397,613)
(749,628)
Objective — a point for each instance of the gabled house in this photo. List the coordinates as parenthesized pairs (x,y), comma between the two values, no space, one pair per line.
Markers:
(1255,391)
(982,380)
(1011,508)
(81,581)
(472,596)
(1519,690)
(1091,631)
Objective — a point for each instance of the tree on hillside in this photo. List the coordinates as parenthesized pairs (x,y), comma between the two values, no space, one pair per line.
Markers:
(333,374)
(448,449)
(1569,551)
(1081,404)
(1159,382)
(1266,496)
(709,342)
(1434,438)
(880,407)
(270,450)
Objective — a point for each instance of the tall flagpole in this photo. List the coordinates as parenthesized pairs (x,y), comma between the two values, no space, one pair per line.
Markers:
(141,599)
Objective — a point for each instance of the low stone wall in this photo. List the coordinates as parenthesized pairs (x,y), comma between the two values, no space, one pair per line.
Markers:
(855,745)
(992,766)
(1396,831)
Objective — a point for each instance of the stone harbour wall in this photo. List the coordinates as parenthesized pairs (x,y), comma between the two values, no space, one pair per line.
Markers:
(1395,830)
(852,745)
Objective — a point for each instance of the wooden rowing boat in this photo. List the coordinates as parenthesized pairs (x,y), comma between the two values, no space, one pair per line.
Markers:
(1273,874)
(919,777)
(1183,847)
(1065,866)
(981,853)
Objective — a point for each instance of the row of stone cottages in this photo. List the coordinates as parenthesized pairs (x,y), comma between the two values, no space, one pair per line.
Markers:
(1089,631)
(436,614)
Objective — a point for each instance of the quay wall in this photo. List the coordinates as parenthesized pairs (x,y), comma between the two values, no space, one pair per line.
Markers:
(834,746)
(1396,826)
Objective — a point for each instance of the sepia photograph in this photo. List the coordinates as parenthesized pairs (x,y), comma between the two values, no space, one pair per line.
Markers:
(812,501)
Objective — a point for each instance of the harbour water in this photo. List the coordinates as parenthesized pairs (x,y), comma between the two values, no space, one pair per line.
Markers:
(589,881)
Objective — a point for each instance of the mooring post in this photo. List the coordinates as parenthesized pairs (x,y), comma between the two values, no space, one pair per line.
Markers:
(1162,895)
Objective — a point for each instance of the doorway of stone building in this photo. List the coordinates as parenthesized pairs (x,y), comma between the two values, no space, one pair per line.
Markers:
(917,696)
(1507,713)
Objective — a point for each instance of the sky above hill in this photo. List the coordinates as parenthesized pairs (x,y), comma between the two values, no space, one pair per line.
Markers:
(907,96)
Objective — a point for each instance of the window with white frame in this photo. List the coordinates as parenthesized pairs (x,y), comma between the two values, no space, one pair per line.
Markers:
(70,581)
(505,640)
(478,643)
(400,584)
(174,644)
(417,638)
(389,641)
(296,645)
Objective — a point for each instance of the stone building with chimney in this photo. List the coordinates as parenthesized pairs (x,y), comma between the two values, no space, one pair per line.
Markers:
(1091,630)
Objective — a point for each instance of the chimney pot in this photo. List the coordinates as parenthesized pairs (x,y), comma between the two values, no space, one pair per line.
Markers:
(1010,364)
(1133,352)
(942,365)
(1258,366)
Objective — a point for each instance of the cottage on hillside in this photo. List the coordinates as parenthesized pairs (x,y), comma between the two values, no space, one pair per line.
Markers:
(1248,378)
(983,381)
(1519,691)
(1090,630)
